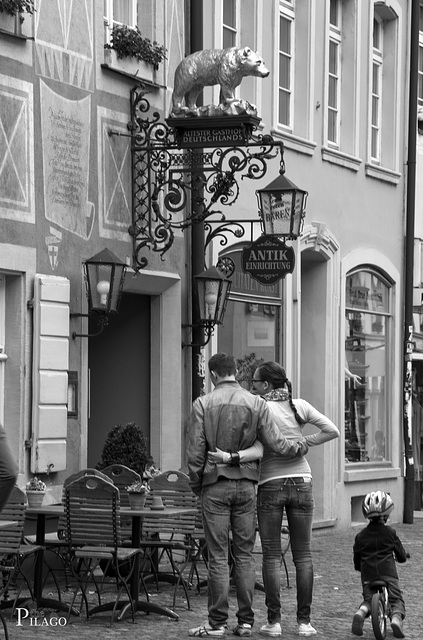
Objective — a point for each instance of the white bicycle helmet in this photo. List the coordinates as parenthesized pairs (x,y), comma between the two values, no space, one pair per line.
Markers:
(377,503)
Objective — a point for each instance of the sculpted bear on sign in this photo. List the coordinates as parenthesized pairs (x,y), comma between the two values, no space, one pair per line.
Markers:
(226,67)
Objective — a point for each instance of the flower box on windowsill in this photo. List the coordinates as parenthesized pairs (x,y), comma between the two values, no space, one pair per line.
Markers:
(129,66)
(19,25)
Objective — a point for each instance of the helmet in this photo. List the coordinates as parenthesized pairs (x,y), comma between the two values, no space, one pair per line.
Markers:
(377,503)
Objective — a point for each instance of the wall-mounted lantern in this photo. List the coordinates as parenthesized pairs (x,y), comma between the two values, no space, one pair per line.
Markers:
(212,290)
(282,208)
(104,276)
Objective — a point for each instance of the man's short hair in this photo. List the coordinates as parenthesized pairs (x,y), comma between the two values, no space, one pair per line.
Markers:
(223,365)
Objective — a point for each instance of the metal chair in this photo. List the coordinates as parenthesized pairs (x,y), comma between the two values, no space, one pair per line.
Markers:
(92,509)
(13,552)
(173,537)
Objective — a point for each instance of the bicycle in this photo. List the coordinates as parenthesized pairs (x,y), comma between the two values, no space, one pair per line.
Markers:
(380,608)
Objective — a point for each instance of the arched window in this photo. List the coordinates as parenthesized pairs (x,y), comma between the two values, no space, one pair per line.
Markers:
(367,356)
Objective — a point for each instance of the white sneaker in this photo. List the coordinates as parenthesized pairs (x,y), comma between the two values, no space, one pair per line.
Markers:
(306,629)
(271,629)
(205,630)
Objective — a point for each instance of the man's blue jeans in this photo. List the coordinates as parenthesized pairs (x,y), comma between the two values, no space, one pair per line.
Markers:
(229,505)
(296,497)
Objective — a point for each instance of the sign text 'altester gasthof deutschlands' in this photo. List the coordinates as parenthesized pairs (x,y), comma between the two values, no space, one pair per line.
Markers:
(268,259)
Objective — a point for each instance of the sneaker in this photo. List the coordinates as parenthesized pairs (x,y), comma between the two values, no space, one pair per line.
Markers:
(243,629)
(205,630)
(358,622)
(305,629)
(396,626)
(271,629)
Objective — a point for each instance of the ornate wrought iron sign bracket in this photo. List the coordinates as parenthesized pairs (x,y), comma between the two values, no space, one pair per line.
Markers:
(185,170)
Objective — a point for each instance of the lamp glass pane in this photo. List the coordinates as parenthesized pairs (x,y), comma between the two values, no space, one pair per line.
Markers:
(276,210)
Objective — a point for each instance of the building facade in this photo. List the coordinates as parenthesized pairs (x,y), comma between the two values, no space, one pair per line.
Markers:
(336,97)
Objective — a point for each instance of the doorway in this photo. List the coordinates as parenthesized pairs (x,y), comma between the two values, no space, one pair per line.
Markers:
(119,372)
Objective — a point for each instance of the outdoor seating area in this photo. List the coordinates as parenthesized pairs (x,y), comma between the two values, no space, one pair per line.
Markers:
(106,555)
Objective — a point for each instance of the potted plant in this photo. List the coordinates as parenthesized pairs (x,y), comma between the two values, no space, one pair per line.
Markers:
(35,492)
(131,52)
(137,493)
(126,444)
(13,7)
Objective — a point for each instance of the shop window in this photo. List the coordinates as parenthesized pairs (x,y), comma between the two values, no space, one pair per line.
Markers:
(367,352)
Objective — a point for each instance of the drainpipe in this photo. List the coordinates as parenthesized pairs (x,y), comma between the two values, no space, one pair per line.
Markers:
(197,230)
(409,486)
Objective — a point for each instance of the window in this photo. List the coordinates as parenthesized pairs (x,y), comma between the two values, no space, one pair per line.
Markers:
(285,65)
(119,12)
(385,87)
(229,24)
(367,350)
(420,89)
(377,70)
(334,81)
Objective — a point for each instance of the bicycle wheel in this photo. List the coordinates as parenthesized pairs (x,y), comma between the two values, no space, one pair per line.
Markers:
(378,613)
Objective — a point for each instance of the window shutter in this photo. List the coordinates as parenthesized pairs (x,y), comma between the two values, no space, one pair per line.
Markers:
(50,373)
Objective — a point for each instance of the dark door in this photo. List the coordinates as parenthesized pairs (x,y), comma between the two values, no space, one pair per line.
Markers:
(119,366)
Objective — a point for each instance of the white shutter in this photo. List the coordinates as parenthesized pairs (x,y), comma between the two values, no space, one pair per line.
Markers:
(50,373)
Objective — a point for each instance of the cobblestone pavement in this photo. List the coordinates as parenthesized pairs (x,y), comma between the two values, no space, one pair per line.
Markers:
(337,594)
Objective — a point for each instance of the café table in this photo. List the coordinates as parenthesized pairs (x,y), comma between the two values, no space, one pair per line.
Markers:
(137,516)
(41,514)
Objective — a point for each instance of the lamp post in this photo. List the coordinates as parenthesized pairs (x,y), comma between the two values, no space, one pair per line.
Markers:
(104,276)
(282,208)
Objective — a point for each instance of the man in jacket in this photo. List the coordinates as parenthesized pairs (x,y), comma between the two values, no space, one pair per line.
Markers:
(230,418)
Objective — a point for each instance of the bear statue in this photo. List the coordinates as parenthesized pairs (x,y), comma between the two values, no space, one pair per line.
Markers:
(226,67)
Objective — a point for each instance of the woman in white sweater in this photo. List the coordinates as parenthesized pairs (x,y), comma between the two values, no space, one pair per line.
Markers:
(286,485)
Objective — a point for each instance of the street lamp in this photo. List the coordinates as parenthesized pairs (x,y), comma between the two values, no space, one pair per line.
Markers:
(104,276)
(212,290)
(282,208)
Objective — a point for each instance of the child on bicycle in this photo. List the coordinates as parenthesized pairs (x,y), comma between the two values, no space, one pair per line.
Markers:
(376,548)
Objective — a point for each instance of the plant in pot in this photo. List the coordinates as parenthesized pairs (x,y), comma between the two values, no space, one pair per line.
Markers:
(35,492)
(128,42)
(137,493)
(13,7)
(126,444)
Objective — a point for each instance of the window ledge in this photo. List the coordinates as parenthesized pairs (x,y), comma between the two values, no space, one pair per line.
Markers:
(130,68)
(381,173)
(295,142)
(371,473)
(14,35)
(341,159)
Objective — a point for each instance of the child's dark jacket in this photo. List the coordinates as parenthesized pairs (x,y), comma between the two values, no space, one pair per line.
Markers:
(374,550)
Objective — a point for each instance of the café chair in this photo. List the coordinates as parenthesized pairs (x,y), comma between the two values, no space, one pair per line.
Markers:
(171,537)
(13,551)
(93,533)
(122,477)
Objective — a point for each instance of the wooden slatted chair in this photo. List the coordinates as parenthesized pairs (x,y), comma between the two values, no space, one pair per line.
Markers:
(92,509)
(12,551)
(172,537)
(122,477)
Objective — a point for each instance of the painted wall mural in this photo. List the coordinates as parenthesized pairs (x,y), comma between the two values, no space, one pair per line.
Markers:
(114,174)
(16,150)
(65,128)
(64,42)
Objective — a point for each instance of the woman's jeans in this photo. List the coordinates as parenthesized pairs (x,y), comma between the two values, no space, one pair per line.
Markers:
(296,497)
(229,505)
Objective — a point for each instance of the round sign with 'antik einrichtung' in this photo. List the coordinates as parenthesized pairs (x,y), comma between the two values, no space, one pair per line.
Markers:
(268,259)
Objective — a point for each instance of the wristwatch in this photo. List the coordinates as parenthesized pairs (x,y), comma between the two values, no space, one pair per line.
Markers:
(234,460)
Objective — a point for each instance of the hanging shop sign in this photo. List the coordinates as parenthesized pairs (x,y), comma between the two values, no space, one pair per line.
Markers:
(268,259)
(219,131)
